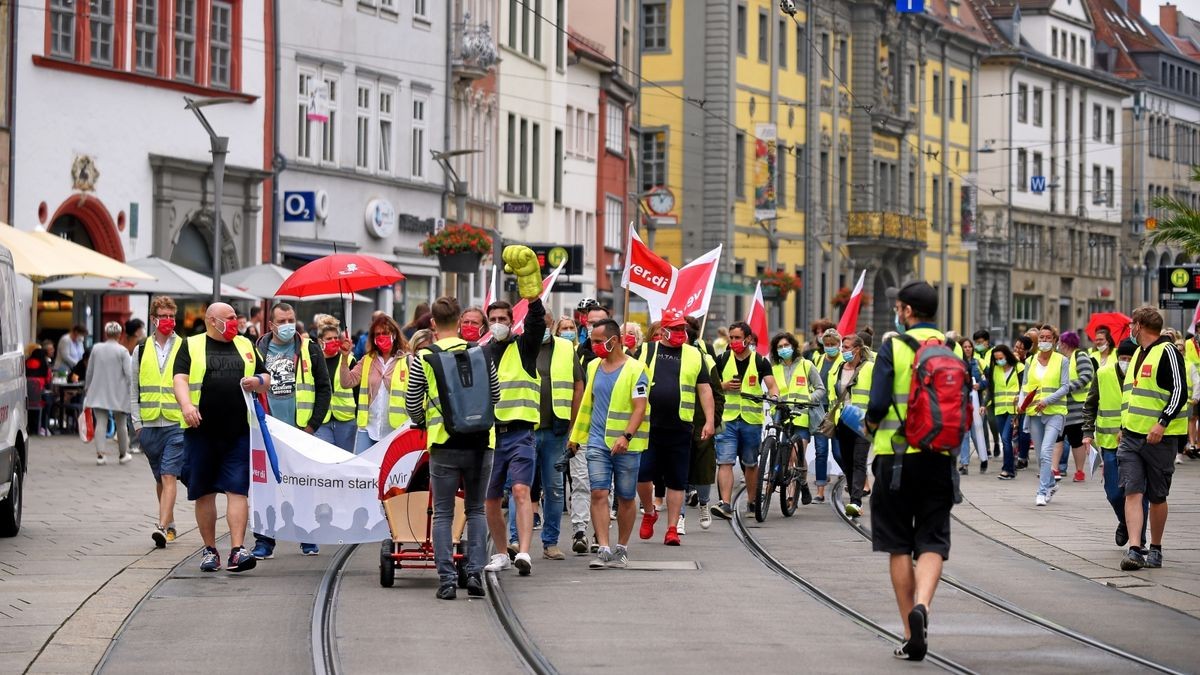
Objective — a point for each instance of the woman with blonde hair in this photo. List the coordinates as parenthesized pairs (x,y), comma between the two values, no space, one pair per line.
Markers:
(385,367)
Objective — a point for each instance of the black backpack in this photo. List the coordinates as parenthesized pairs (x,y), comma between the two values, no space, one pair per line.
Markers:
(464,389)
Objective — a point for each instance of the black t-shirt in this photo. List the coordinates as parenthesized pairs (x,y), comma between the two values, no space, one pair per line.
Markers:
(222,407)
(664,393)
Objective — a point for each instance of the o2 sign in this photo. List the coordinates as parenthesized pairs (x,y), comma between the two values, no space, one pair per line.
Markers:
(910,6)
(299,207)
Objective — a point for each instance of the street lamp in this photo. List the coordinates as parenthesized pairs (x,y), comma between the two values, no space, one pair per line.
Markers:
(219,146)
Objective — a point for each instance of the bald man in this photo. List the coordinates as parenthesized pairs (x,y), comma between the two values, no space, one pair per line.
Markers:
(211,371)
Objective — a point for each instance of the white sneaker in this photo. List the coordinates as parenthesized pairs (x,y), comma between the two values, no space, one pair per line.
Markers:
(499,563)
(101,460)
(125,459)
(1040,501)
(681,525)
(705,517)
(524,564)
(1178,459)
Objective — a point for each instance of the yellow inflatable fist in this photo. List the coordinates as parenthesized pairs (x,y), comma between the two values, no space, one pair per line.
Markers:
(522,262)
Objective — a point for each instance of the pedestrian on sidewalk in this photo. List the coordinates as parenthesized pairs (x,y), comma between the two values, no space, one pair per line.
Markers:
(299,393)
(913,521)
(850,383)
(1153,427)
(156,413)
(612,430)
(339,426)
(106,391)
(1047,385)
(212,370)
(1002,390)
(590,313)
(1082,371)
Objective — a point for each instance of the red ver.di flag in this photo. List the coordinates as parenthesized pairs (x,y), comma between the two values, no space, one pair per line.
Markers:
(757,318)
(694,284)
(646,273)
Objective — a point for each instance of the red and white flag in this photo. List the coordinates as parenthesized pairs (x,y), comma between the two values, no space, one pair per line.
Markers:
(849,321)
(757,318)
(521,309)
(692,290)
(1195,319)
(646,273)
(492,290)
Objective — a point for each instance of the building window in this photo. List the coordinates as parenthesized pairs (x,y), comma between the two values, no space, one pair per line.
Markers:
(220,44)
(843,179)
(823,185)
(512,24)
(912,84)
(1074,49)
(826,57)
(801,50)
(387,5)
(524,156)
(1096,122)
(654,26)
(937,94)
(1054,42)
(362,128)
(739,165)
(741,29)
(558,165)
(1109,185)
(145,36)
(560,36)
(1022,103)
(420,9)
(1022,170)
(781,177)
(614,127)
(62,28)
(1097,197)
(329,127)
(936,205)
(101,21)
(419,124)
(763,33)
(304,94)
(185,40)
(1037,106)
(950,100)
(510,180)
(536,161)
(912,191)
(1037,164)
(801,177)
(783,50)
(843,61)
(525,19)
(614,223)
(386,123)
(654,159)
(1111,119)
(537,30)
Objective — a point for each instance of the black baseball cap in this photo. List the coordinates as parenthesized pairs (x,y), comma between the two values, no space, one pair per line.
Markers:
(919,295)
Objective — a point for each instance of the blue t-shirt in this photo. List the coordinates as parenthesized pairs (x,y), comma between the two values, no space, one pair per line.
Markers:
(602,389)
(281,364)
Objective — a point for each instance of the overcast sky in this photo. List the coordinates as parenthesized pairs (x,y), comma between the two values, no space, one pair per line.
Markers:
(1150,9)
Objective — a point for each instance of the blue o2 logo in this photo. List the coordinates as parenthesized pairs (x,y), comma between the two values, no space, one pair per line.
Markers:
(910,6)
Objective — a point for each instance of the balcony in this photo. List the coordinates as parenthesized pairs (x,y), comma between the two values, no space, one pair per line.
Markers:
(887,229)
(474,50)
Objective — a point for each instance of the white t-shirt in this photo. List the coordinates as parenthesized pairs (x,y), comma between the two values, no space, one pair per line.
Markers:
(377,412)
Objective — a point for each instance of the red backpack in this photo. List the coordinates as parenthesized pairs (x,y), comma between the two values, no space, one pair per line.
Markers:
(939,399)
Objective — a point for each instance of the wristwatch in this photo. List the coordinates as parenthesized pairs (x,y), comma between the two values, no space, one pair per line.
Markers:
(628,436)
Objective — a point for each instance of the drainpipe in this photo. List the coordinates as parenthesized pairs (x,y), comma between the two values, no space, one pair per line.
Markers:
(811,306)
(278,164)
(944,305)
(12,110)
(447,108)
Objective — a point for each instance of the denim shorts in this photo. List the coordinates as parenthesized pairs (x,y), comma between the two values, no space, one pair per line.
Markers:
(216,464)
(163,446)
(514,461)
(605,467)
(739,441)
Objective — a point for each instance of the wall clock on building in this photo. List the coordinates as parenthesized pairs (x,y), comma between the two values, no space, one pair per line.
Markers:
(660,201)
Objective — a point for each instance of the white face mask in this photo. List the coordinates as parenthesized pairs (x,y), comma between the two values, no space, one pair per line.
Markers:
(500,331)
(1045,346)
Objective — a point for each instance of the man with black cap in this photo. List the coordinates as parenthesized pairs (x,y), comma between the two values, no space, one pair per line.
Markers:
(914,521)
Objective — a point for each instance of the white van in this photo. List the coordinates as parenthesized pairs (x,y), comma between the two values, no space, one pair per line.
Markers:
(13,416)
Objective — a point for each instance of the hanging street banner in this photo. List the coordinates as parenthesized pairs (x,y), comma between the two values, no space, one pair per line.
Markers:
(765,156)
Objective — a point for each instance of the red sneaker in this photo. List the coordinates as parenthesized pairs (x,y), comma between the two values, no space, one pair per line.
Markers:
(1057,474)
(1079,477)
(648,520)
(672,538)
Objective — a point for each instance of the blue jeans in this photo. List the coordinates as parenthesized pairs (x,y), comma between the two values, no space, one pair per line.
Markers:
(1045,430)
(822,459)
(1004,425)
(619,471)
(549,447)
(1023,439)
(339,433)
(447,467)
(1116,494)
(739,441)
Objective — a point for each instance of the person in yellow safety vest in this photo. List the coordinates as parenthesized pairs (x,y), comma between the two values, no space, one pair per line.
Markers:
(454,460)
(799,381)
(385,366)
(828,356)
(702,469)
(679,386)
(299,393)
(211,371)
(1002,391)
(517,415)
(850,383)
(156,414)
(743,371)
(1191,352)
(1082,370)
(634,341)
(1047,386)
(1153,426)
(1102,347)
(981,340)
(612,429)
(340,425)
(1102,430)
(912,523)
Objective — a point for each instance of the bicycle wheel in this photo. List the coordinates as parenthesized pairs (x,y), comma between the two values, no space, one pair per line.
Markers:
(764,486)
(789,485)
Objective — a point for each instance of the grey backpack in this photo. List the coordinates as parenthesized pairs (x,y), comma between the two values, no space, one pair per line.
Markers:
(464,389)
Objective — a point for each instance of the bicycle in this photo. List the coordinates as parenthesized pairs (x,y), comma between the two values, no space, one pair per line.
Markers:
(784,468)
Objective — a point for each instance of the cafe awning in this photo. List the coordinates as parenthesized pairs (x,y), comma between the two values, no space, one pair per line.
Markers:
(162,278)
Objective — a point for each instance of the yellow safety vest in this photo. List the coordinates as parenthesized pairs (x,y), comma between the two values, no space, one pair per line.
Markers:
(435,428)
(689,372)
(1077,397)
(1190,353)
(902,360)
(156,391)
(860,394)
(1108,410)
(620,408)
(1143,401)
(736,406)
(1006,389)
(397,387)
(795,389)
(341,402)
(196,350)
(1051,382)
(306,384)
(520,392)
(562,378)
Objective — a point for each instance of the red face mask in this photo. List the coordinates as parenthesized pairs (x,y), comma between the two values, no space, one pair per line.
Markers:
(676,338)
(228,330)
(630,340)
(332,347)
(600,349)
(165,326)
(384,343)
(469,332)
(738,346)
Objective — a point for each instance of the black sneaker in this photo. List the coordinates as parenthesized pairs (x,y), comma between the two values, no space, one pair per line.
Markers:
(159,535)
(475,586)
(693,498)
(1022,464)
(916,646)
(240,560)
(805,495)
(983,466)
(579,544)
(722,510)
(1154,559)
(1133,561)
(1122,535)
(447,592)
(963,470)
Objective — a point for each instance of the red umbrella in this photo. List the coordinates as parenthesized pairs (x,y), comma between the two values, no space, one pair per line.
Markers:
(339,273)
(1116,323)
